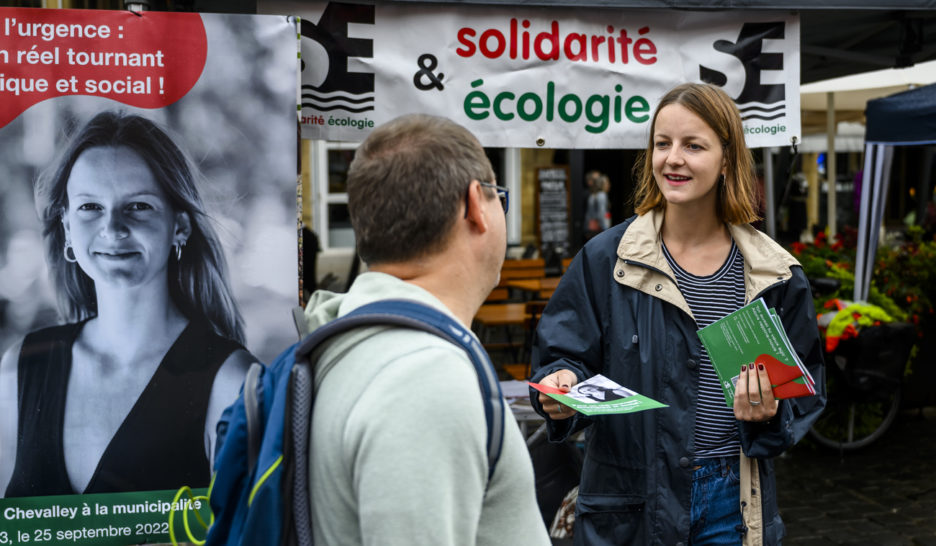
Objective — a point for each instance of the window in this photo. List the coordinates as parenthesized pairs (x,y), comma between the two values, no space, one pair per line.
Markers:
(329,196)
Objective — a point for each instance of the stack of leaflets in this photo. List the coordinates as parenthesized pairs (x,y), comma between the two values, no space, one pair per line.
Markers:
(599,395)
(754,335)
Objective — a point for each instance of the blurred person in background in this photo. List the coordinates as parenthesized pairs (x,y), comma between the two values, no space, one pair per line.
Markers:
(597,217)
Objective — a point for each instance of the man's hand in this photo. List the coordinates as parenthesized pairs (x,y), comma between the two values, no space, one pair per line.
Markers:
(754,399)
(563,380)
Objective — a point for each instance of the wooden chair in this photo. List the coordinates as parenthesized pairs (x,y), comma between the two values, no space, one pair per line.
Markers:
(565,264)
(533,268)
(504,339)
(521,370)
(498,295)
(512,270)
(496,324)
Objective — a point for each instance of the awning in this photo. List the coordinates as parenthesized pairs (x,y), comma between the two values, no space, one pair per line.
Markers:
(710,4)
(904,118)
(853,92)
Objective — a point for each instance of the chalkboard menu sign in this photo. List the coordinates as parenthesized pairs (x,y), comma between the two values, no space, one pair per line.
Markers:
(552,184)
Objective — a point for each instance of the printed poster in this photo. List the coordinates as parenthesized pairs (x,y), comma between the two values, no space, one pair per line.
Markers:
(148,253)
(527,76)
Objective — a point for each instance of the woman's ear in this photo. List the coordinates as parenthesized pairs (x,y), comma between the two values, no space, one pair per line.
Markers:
(65,228)
(183,227)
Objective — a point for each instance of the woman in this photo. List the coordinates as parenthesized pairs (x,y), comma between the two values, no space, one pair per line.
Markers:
(697,472)
(597,218)
(124,396)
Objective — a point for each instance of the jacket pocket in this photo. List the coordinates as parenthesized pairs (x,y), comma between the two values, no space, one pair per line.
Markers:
(734,472)
(609,519)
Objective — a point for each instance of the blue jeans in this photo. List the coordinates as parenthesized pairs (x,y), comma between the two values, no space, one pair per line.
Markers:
(715,511)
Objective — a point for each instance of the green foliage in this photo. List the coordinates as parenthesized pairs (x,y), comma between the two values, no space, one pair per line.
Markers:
(867,315)
(907,274)
(903,282)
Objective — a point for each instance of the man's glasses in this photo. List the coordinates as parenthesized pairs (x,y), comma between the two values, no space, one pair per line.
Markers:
(502,193)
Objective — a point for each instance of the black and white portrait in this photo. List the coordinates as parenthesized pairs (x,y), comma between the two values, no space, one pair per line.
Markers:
(599,389)
(147,256)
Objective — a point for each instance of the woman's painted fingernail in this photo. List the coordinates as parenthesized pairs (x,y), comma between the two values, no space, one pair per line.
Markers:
(743,367)
(760,367)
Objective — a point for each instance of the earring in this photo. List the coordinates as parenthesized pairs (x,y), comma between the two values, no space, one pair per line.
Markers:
(70,259)
(178,250)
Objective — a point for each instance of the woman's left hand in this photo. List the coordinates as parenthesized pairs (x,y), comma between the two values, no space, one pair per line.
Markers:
(754,399)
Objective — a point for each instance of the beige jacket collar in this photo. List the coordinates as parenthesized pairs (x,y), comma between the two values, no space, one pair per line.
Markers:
(641,264)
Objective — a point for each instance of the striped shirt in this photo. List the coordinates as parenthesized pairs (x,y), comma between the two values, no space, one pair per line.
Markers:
(711,298)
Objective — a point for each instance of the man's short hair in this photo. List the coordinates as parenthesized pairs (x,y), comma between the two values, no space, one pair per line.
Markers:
(406,185)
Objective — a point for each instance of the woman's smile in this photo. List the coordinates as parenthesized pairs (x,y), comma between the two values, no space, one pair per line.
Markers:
(116,255)
(676,179)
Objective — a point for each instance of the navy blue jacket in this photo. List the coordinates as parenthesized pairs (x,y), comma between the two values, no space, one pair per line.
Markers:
(618,312)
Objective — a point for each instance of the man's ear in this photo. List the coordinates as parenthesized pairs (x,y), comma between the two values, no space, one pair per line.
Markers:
(183,227)
(475,203)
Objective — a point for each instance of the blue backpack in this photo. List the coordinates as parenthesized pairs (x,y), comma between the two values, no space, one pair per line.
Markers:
(260,491)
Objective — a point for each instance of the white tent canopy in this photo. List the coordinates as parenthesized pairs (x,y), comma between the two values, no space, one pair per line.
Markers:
(853,92)
(849,137)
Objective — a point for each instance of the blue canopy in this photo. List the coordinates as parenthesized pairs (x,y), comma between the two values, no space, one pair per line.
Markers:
(908,117)
(903,119)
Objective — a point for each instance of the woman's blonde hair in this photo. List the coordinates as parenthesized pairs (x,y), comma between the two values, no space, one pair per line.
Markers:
(736,190)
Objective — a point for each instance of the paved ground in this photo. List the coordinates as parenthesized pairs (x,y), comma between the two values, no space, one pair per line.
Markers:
(882,495)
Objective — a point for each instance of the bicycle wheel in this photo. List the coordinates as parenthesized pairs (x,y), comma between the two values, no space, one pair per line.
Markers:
(852,420)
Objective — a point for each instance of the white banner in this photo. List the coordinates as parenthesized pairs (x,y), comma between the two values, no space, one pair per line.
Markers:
(523,76)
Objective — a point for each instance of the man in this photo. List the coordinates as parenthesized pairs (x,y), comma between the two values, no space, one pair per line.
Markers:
(399,434)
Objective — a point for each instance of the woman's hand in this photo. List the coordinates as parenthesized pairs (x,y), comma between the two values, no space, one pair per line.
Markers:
(563,380)
(754,399)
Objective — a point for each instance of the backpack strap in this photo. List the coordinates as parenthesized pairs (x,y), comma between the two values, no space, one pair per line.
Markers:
(297,517)
(252,414)
(400,313)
